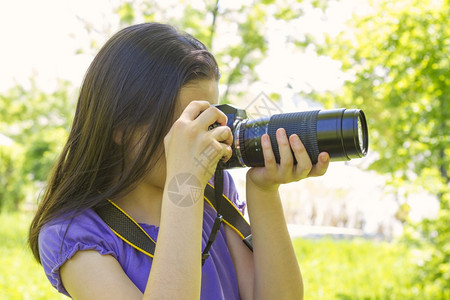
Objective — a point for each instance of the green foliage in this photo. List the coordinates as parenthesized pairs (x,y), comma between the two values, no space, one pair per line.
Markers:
(397,59)
(37,123)
(21,277)
(126,13)
(12,182)
(430,240)
(357,269)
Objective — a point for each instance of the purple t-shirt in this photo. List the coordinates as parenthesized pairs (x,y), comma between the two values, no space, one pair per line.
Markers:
(87,231)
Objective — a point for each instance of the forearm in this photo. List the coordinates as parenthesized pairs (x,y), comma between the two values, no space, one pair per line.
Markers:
(277,274)
(176,268)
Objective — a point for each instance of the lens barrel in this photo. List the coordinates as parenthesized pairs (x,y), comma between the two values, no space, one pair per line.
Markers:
(342,133)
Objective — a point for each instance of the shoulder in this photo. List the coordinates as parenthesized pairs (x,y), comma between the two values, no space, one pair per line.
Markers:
(63,233)
(62,238)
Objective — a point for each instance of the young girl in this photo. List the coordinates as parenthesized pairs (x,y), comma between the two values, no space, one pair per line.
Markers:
(142,122)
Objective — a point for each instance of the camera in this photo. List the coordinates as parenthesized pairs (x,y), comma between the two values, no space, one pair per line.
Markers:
(342,133)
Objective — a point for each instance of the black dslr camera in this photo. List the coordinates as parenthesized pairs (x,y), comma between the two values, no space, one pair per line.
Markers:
(342,133)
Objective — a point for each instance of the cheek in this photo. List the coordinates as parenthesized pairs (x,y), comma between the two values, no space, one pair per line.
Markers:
(179,108)
(156,176)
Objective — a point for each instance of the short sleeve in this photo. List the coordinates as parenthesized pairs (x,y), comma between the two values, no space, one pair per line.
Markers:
(60,239)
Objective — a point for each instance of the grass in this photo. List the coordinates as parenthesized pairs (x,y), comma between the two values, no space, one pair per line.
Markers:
(355,269)
(21,277)
(332,269)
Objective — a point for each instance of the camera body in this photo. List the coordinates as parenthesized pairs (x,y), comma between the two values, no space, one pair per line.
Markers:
(342,133)
(235,117)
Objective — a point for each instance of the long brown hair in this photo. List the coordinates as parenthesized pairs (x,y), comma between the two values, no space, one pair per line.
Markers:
(132,83)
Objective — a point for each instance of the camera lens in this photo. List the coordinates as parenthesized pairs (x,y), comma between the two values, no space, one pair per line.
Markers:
(360,134)
(352,132)
(342,133)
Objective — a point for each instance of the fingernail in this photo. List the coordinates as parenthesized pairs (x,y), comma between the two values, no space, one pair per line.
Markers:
(280,132)
(296,140)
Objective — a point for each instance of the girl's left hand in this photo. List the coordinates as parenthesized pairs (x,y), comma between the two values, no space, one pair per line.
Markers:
(272,174)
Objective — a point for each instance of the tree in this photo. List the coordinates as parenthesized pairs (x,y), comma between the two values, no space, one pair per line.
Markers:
(397,60)
(210,21)
(37,123)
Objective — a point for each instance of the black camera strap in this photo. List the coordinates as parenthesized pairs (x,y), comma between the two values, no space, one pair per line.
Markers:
(218,191)
(132,233)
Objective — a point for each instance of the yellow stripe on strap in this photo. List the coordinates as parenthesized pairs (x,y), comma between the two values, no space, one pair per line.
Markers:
(131,244)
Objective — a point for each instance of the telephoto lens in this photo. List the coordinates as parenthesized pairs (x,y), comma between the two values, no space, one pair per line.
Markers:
(342,133)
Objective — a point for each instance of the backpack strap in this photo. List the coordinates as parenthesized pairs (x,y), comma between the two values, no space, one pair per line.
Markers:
(132,233)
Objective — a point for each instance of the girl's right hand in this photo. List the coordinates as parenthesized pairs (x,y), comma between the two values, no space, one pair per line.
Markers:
(190,146)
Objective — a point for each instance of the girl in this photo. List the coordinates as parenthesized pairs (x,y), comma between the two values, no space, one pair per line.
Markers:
(141,124)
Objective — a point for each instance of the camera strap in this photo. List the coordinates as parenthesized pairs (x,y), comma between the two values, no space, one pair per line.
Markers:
(127,229)
(218,192)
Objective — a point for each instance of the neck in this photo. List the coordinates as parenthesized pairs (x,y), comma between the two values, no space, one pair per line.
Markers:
(143,204)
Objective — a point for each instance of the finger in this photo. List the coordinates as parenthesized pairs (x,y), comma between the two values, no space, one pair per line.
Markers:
(269,158)
(222,134)
(193,109)
(221,152)
(286,159)
(227,152)
(210,116)
(321,166)
(304,164)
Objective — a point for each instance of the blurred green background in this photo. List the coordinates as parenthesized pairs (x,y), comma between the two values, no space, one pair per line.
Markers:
(389,58)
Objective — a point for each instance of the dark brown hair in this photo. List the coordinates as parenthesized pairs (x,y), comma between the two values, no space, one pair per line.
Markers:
(132,84)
